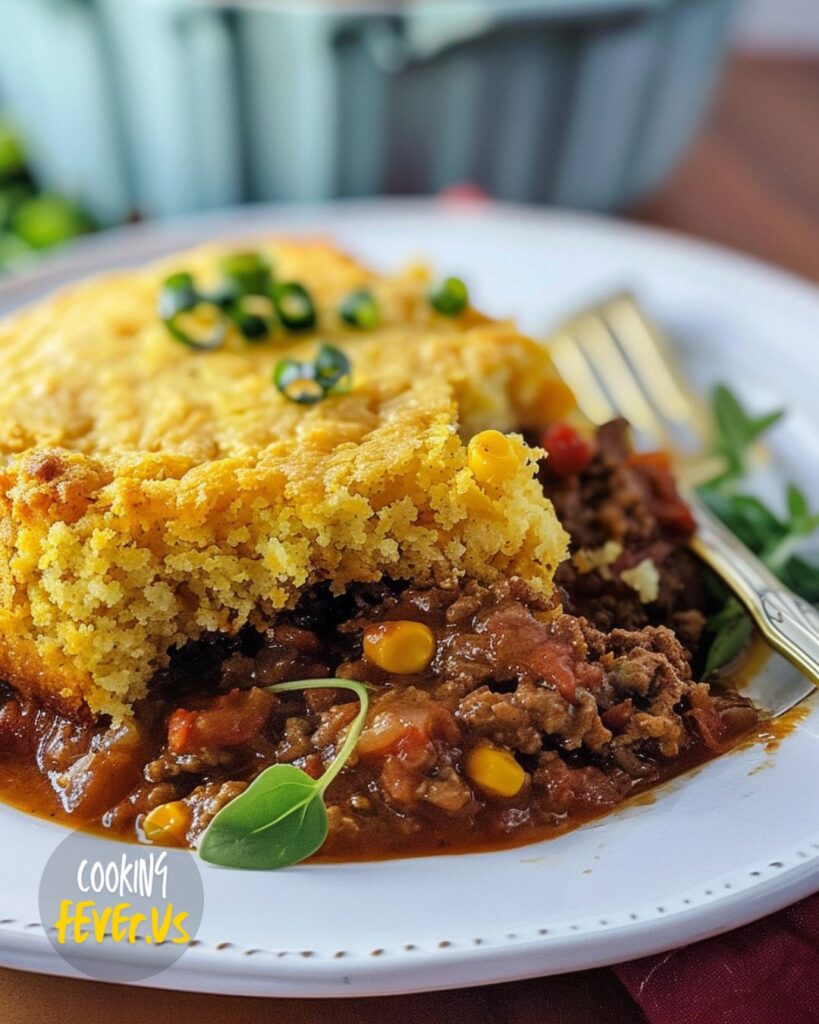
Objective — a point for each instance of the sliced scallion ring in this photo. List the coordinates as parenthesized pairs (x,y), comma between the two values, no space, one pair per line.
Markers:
(255,316)
(333,370)
(297,381)
(451,297)
(247,273)
(294,306)
(178,294)
(201,326)
(359,309)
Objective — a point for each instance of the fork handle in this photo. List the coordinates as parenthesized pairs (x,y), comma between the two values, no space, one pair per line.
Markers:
(789,623)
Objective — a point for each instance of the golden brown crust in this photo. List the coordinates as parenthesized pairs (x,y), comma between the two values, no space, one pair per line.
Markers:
(149,494)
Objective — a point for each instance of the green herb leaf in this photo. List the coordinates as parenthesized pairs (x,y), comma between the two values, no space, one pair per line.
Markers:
(277,821)
(736,431)
(768,536)
(802,521)
(802,576)
(747,517)
(731,629)
(280,819)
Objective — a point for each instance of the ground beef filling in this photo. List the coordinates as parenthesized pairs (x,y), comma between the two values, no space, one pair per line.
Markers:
(595,701)
(623,511)
(590,716)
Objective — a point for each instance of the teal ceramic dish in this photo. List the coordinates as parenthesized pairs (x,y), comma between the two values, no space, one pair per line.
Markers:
(165,106)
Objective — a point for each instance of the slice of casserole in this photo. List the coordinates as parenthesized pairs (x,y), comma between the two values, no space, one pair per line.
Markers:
(150,494)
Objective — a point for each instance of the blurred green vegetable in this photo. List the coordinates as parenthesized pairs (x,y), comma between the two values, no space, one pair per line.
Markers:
(30,221)
(774,538)
(49,220)
(12,154)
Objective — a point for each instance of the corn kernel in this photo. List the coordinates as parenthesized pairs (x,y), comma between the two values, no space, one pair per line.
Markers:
(402,647)
(492,457)
(167,824)
(495,771)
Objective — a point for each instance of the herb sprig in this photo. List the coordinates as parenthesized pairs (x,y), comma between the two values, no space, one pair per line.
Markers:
(773,538)
(281,819)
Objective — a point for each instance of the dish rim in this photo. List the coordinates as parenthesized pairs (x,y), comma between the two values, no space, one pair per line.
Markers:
(453,964)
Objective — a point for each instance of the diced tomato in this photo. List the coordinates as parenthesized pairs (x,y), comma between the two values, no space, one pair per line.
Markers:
(667,506)
(229,721)
(569,453)
(179,727)
(560,674)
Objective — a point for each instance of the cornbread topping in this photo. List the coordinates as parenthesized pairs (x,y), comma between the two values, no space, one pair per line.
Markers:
(292,523)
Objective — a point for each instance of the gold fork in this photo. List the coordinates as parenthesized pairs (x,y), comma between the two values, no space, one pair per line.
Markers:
(619,364)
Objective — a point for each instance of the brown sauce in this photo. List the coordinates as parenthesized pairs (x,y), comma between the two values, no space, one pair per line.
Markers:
(25,788)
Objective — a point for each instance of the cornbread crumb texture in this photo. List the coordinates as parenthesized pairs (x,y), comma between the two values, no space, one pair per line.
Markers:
(149,493)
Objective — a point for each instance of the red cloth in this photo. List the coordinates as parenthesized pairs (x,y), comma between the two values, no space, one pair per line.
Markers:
(764,973)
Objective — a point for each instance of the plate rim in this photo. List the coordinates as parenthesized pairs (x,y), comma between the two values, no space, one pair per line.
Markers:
(453,964)
(206,967)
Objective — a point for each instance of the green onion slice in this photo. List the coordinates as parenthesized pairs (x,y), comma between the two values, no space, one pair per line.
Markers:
(451,298)
(359,309)
(294,306)
(247,273)
(255,316)
(178,294)
(297,381)
(333,370)
(307,383)
(201,326)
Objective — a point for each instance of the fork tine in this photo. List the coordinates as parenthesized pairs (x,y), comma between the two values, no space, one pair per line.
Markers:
(586,353)
(651,358)
(617,376)
(574,368)
(618,364)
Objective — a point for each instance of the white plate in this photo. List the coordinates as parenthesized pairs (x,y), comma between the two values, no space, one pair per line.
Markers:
(737,840)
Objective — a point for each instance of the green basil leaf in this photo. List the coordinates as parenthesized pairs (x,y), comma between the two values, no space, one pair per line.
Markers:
(732,630)
(735,431)
(802,521)
(797,504)
(802,576)
(746,516)
(279,820)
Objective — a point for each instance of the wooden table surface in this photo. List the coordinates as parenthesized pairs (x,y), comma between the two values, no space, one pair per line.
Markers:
(751,182)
